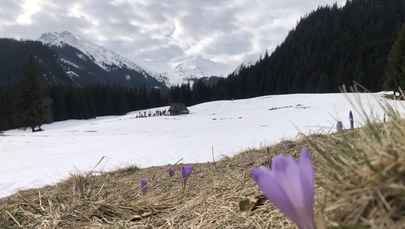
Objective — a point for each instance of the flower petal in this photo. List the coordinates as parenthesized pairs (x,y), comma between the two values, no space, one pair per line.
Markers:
(186,172)
(272,189)
(171,170)
(287,173)
(306,165)
(308,186)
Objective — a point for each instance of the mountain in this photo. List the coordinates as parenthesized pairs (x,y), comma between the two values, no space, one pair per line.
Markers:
(86,63)
(14,54)
(193,68)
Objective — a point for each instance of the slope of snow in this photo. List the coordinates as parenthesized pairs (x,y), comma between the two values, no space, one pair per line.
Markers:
(251,60)
(37,159)
(100,55)
(194,68)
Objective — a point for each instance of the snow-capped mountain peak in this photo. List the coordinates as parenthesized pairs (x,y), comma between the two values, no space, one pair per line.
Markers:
(195,67)
(249,61)
(85,62)
(103,57)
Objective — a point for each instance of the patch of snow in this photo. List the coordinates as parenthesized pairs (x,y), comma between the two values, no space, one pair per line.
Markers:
(70,63)
(81,56)
(72,74)
(251,60)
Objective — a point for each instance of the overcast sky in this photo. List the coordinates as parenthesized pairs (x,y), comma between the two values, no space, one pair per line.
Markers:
(156,32)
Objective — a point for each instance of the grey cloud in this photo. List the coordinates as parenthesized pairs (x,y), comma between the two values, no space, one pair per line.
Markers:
(7,9)
(163,31)
(231,44)
(169,52)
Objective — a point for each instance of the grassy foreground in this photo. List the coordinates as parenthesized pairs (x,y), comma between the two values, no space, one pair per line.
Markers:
(360,183)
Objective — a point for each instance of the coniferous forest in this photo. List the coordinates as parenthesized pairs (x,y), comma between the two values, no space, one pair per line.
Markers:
(361,42)
(59,102)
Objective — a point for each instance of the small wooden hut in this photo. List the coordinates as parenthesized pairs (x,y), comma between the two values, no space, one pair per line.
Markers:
(178,108)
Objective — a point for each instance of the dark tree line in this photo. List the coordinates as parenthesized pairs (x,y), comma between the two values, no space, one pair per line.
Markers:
(394,77)
(72,102)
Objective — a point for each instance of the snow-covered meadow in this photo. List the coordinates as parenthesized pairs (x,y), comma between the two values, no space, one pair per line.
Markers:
(216,128)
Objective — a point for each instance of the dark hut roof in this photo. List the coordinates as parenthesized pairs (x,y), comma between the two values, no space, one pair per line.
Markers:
(178,108)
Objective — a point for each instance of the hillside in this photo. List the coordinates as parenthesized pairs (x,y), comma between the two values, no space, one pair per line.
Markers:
(329,47)
(15,54)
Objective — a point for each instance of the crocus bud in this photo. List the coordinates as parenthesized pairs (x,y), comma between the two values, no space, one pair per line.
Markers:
(351,120)
(186,172)
(339,126)
(144,184)
(171,171)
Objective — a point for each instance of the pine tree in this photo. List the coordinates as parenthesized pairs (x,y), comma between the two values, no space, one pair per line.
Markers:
(394,77)
(32,104)
(4,111)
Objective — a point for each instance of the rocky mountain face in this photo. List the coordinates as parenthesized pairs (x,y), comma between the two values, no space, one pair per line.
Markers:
(86,63)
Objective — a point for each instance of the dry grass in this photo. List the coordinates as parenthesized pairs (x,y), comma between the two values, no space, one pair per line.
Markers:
(360,178)
(364,176)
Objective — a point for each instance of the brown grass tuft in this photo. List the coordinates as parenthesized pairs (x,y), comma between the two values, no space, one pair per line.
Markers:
(364,178)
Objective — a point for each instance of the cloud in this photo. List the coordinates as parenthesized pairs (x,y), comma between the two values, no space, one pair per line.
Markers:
(160,32)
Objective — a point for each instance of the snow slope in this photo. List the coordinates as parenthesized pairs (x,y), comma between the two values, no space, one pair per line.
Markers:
(36,159)
(252,60)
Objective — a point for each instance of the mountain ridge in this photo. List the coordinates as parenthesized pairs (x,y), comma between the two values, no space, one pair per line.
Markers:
(102,56)
(88,63)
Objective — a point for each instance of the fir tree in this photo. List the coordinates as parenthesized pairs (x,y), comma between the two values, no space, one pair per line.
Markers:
(32,104)
(394,77)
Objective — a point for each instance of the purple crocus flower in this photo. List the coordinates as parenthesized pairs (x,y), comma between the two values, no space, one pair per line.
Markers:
(290,187)
(186,172)
(144,184)
(351,120)
(171,171)
(339,126)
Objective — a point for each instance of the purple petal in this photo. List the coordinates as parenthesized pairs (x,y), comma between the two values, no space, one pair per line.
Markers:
(287,173)
(186,172)
(290,187)
(351,120)
(308,186)
(272,189)
(306,166)
(144,184)
(172,170)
